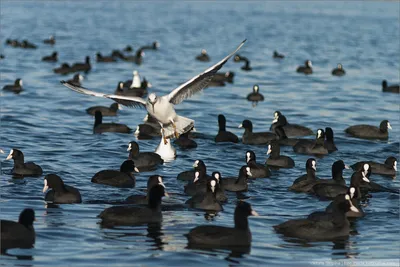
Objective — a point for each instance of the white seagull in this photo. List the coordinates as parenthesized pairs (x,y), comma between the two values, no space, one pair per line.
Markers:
(162,107)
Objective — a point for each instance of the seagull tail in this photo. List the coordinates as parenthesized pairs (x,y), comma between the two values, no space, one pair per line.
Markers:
(183,125)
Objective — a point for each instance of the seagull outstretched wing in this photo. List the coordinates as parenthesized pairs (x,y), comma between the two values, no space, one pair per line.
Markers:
(198,82)
(130,101)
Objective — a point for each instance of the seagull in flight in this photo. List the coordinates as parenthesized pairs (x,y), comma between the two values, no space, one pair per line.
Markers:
(162,107)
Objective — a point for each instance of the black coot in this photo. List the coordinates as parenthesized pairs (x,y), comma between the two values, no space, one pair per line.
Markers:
(100,127)
(60,193)
(144,161)
(15,88)
(251,138)
(312,147)
(224,237)
(388,168)
(134,215)
(105,111)
(122,178)
(370,132)
(238,184)
(144,199)
(224,135)
(306,69)
(19,234)
(276,159)
(305,182)
(289,128)
(21,167)
(320,228)
(207,200)
(257,170)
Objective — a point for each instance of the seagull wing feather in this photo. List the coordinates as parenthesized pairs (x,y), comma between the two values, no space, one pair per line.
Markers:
(198,82)
(129,101)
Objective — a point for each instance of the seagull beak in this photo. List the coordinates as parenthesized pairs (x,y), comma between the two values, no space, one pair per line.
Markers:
(240,126)
(136,169)
(152,104)
(254,213)
(45,187)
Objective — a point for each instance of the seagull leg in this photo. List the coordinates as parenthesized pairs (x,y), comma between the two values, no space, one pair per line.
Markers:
(174,125)
(163,135)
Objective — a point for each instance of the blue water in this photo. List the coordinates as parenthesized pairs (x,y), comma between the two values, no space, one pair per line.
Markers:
(49,124)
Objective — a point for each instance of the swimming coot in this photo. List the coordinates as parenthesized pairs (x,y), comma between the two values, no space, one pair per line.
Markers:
(60,193)
(225,237)
(21,167)
(390,89)
(19,234)
(224,135)
(184,142)
(306,69)
(136,215)
(305,182)
(203,56)
(238,184)
(144,161)
(388,168)
(100,127)
(257,170)
(339,71)
(15,88)
(259,138)
(332,227)
(206,200)
(76,80)
(313,147)
(123,178)
(51,58)
(289,128)
(255,96)
(370,132)
(277,160)
(144,199)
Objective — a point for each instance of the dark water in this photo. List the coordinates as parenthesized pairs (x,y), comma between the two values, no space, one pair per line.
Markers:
(48,122)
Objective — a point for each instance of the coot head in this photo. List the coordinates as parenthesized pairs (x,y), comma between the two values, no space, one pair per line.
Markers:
(221,122)
(329,133)
(391,161)
(384,126)
(128,166)
(27,217)
(154,180)
(250,156)
(311,164)
(15,154)
(256,88)
(247,125)
(53,181)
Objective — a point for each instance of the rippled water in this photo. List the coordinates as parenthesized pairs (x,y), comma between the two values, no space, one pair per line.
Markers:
(49,124)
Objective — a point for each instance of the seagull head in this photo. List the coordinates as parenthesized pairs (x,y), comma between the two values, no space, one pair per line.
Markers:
(152,99)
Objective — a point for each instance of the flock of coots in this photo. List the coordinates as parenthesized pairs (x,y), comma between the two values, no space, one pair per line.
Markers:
(208,192)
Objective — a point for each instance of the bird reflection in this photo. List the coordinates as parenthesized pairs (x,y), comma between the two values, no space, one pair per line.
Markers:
(155,233)
(135,234)
(344,248)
